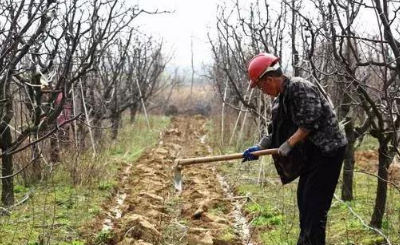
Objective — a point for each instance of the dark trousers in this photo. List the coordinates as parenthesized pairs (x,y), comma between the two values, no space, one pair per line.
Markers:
(315,192)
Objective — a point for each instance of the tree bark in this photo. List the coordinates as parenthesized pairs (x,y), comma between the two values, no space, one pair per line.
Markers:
(98,131)
(346,112)
(36,165)
(115,120)
(295,53)
(385,158)
(7,194)
(133,110)
(54,149)
(348,172)
(82,136)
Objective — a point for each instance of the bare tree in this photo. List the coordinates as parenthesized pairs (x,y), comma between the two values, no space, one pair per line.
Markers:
(242,33)
(382,73)
(148,63)
(18,34)
(48,47)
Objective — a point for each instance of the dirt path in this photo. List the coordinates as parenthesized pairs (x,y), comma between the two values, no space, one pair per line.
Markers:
(147,209)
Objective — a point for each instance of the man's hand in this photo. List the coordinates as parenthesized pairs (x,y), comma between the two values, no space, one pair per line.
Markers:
(284,149)
(247,156)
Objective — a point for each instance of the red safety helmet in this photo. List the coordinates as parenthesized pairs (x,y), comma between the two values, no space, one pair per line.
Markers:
(259,65)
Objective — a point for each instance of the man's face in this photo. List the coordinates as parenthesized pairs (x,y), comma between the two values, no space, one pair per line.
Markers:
(268,86)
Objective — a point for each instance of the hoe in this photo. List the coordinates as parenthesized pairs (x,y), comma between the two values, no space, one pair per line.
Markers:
(180,163)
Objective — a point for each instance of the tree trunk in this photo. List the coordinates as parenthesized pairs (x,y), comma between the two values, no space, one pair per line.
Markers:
(345,112)
(385,158)
(54,149)
(348,172)
(7,194)
(115,121)
(81,136)
(348,163)
(98,131)
(295,53)
(36,165)
(133,110)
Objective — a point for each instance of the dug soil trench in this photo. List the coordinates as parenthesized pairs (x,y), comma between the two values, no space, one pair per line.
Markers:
(148,210)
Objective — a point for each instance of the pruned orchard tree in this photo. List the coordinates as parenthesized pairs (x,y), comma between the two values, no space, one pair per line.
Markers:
(106,85)
(49,49)
(22,26)
(146,63)
(372,68)
(128,76)
(241,33)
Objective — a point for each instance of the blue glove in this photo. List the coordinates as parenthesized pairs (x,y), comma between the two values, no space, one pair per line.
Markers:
(247,156)
(284,149)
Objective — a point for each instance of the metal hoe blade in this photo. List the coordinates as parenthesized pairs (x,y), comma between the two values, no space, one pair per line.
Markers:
(177,177)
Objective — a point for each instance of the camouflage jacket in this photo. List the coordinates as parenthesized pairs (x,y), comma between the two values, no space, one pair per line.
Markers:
(301,105)
(308,108)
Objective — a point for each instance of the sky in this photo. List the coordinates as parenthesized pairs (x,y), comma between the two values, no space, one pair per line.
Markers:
(189,20)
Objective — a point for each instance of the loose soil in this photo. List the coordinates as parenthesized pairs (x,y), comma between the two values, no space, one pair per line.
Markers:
(368,161)
(147,209)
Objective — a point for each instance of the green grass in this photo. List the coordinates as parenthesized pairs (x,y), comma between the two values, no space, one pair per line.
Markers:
(74,194)
(227,235)
(369,143)
(104,237)
(219,209)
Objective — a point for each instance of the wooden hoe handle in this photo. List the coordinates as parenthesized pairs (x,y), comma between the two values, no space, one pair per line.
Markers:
(190,161)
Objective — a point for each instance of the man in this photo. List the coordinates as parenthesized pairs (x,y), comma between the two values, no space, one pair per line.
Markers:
(315,133)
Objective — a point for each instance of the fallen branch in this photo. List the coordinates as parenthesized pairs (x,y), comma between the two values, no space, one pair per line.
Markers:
(26,198)
(4,211)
